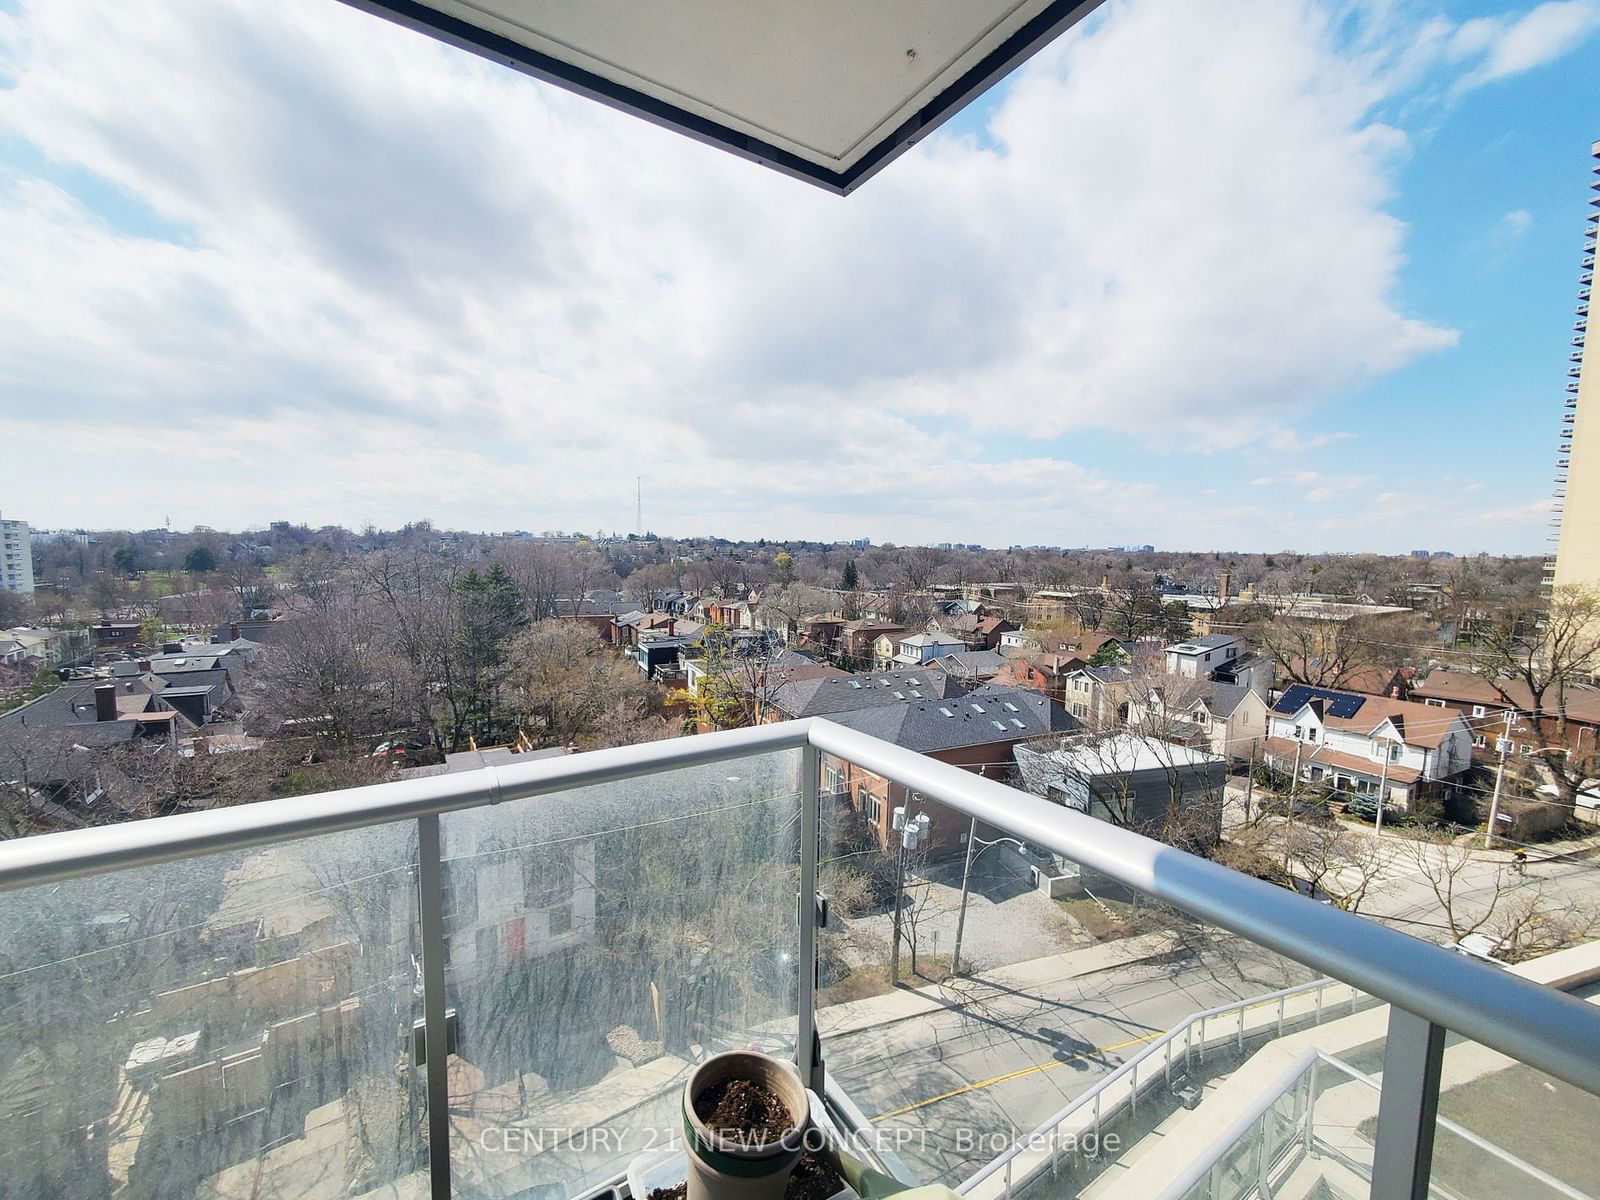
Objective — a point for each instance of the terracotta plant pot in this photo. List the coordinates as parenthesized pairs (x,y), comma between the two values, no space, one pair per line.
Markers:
(725,1166)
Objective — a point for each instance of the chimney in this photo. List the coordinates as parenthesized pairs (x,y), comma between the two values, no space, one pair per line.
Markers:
(144,666)
(233,632)
(1224,587)
(105,702)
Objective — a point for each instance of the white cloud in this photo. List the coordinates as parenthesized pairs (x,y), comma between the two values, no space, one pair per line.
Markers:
(403,281)
(1500,47)
(1517,222)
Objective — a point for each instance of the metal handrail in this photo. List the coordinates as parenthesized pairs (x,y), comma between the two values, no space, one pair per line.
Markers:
(1550,1030)
(1180,1031)
(1196,1169)
(48,857)
(1553,1032)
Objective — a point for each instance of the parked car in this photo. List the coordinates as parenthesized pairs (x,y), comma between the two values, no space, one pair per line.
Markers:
(1365,808)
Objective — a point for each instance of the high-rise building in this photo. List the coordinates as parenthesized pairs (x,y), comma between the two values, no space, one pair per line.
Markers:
(1578,468)
(16,557)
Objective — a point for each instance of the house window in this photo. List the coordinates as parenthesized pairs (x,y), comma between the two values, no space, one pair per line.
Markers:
(560,920)
(458,894)
(1435,703)
(832,780)
(1480,741)
(1478,710)
(547,878)
(488,943)
(869,804)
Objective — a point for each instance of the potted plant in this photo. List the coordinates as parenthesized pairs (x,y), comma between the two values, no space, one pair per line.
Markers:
(745,1117)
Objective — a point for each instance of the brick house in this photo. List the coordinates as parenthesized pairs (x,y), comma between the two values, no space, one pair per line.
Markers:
(978,732)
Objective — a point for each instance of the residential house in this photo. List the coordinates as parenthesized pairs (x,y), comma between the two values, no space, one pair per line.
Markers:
(1084,645)
(1485,705)
(1201,657)
(113,634)
(57,751)
(857,638)
(730,614)
(918,648)
(978,731)
(1363,744)
(819,634)
(663,657)
(44,646)
(1045,673)
(973,666)
(1224,718)
(1098,696)
(976,632)
(1159,788)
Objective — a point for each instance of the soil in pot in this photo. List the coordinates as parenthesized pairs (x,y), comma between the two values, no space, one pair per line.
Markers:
(744,1109)
(814,1179)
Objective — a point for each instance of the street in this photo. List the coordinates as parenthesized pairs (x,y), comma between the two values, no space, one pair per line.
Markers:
(957,1086)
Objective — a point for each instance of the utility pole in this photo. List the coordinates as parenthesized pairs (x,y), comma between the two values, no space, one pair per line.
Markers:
(1499,777)
(1288,810)
(638,505)
(966,882)
(966,888)
(1383,789)
(1250,782)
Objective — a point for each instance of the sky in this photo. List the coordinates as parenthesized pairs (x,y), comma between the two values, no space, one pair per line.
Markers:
(1242,275)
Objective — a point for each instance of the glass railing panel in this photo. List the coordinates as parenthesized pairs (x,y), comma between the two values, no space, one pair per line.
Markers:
(237,1025)
(1065,978)
(1506,1129)
(601,941)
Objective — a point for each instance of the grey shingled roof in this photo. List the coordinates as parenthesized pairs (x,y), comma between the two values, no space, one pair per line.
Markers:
(1224,698)
(928,726)
(816,697)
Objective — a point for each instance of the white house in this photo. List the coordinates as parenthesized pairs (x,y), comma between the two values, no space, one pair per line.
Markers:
(1202,656)
(920,648)
(1357,743)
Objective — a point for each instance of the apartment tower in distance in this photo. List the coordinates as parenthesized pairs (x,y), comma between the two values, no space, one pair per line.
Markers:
(1577,518)
(16,557)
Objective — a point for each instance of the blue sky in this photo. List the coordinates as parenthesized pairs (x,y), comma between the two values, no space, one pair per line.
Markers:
(1265,276)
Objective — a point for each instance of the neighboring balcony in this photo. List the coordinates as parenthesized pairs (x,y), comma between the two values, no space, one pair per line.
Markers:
(493,984)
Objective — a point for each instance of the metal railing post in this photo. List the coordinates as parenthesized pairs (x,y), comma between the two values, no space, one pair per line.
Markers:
(1261,1156)
(1408,1107)
(1311,1106)
(1319,1004)
(1283,1004)
(430,910)
(806,1052)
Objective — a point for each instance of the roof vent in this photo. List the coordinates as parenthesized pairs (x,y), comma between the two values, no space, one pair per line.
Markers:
(978,708)
(946,711)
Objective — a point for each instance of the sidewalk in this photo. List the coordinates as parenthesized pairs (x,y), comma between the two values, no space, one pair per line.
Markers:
(905,1003)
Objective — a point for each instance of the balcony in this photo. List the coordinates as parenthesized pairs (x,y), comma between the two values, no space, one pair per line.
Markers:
(493,984)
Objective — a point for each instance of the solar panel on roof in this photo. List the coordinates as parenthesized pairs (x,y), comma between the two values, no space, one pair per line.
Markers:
(1343,705)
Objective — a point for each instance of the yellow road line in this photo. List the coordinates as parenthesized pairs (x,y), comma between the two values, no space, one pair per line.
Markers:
(1010,1075)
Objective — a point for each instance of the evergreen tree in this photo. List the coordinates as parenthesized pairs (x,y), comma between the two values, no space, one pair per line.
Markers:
(200,560)
(849,580)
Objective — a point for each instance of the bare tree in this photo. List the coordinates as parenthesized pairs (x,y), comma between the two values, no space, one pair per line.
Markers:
(568,686)
(543,574)
(1327,651)
(920,565)
(1535,656)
